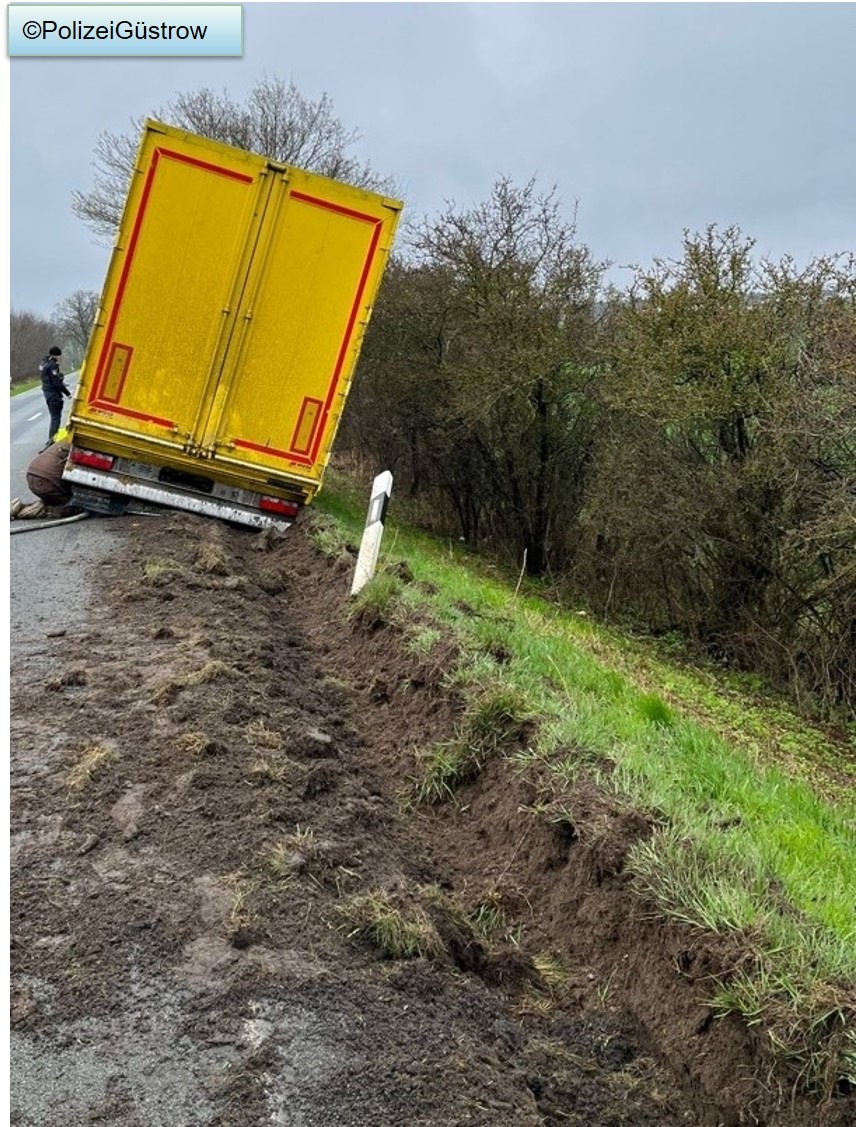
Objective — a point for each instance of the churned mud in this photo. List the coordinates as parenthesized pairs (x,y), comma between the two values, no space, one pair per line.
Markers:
(207,784)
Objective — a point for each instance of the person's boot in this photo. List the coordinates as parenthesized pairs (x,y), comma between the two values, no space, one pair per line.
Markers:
(15,508)
(30,512)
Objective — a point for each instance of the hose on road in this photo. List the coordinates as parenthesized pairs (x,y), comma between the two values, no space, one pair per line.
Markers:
(36,525)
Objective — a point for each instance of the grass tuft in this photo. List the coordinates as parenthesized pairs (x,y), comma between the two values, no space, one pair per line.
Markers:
(442,768)
(257,734)
(269,770)
(808,1023)
(396,930)
(374,605)
(196,743)
(210,671)
(211,559)
(495,718)
(327,536)
(655,710)
(166,692)
(421,640)
(160,572)
(272,580)
(92,759)
(290,856)
(551,970)
(489,917)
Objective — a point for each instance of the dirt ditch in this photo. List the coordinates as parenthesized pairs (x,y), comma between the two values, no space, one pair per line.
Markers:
(203,790)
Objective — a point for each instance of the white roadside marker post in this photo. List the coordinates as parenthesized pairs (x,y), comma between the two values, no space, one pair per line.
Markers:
(373,532)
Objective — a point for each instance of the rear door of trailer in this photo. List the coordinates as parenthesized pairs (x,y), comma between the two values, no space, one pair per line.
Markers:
(233,312)
(307,300)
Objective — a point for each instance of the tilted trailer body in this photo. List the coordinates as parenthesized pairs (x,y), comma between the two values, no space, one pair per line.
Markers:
(229,327)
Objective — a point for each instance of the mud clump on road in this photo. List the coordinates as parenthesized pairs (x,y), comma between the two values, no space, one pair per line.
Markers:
(223,912)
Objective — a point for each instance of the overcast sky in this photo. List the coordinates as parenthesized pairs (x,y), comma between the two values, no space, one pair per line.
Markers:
(652,117)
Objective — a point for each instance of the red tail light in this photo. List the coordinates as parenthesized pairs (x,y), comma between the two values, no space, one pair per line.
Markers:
(278,506)
(91,459)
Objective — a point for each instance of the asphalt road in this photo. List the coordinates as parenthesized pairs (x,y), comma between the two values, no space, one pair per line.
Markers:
(28,416)
(50,569)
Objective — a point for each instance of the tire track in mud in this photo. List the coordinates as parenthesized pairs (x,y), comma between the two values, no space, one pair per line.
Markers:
(196,795)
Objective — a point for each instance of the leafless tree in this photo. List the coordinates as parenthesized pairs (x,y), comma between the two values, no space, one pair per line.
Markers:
(275,120)
(75,316)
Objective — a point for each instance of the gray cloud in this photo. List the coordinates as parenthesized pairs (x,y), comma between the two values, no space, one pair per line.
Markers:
(655,117)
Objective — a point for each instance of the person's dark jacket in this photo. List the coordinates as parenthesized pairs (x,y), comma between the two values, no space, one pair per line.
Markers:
(53,385)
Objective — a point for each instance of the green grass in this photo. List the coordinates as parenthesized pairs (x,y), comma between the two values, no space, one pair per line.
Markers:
(327,534)
(754,807)
(735,706)
(421,640)
(375,604)
(396,927)
(495,717)
(27,385)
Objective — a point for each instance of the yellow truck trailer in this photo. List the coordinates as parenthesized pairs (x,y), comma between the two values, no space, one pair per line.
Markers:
(230,323)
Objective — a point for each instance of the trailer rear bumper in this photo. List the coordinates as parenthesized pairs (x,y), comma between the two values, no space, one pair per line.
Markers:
(104,492)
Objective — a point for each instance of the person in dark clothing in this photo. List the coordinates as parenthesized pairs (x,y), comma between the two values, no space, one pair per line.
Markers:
(44,478)
(54,388)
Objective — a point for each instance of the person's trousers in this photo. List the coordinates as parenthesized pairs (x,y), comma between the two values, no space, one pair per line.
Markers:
(55,494)
(55,410)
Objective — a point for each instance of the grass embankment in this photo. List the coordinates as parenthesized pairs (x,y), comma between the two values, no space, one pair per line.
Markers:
(755,822)
(27,385)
